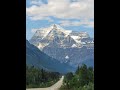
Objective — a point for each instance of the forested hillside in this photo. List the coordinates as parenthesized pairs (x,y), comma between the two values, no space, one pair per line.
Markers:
(83,79)
(40,78)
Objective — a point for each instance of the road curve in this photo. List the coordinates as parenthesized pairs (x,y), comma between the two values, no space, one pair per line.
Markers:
(56,86)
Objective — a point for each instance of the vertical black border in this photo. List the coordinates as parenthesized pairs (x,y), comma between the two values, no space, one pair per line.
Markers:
(13,41)
(21,45)
(106,45)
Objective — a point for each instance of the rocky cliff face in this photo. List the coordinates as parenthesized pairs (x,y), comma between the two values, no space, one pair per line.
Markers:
(66,46)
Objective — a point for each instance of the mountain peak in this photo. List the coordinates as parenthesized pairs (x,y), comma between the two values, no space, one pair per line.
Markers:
(56,26)
(56,34)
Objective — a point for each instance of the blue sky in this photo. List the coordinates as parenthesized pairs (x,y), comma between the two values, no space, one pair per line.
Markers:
(76,15)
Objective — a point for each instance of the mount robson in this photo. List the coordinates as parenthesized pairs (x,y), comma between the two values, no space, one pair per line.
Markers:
(56,49)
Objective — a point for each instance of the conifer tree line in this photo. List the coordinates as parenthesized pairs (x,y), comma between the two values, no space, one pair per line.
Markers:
(40,78)
(82,79)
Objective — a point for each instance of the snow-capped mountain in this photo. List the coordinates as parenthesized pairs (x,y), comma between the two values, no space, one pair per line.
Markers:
(65,45)
(45,36)
(64,38)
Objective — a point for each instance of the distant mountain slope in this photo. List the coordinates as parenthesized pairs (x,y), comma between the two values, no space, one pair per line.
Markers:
(39,59)
(66,46)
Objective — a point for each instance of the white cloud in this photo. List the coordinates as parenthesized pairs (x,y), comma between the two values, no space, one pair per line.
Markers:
(41,18)
(64,9)
(36,2)
(86,23)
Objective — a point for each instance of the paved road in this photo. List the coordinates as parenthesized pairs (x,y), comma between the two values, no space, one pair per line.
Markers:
(56,86)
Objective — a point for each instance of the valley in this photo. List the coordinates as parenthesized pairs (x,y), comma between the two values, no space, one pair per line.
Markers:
(54,53)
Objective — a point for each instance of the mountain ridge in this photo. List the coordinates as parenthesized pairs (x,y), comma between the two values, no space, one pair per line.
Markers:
(58,43)
(35,57)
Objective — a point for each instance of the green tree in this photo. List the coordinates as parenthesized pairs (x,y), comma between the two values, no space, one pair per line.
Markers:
(40,78)
(83,79)
(77,71)
(83,75)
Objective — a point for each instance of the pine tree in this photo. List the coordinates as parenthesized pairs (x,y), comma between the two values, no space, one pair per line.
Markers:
(77,71)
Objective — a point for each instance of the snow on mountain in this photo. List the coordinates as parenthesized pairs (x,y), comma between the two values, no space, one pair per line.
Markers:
(66,46)
(77,39)
(41,46)
(83,43)
(55,28)
(74,45)
(66,57)
(84,35)
(45,36)
(55,35)
(58,27)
